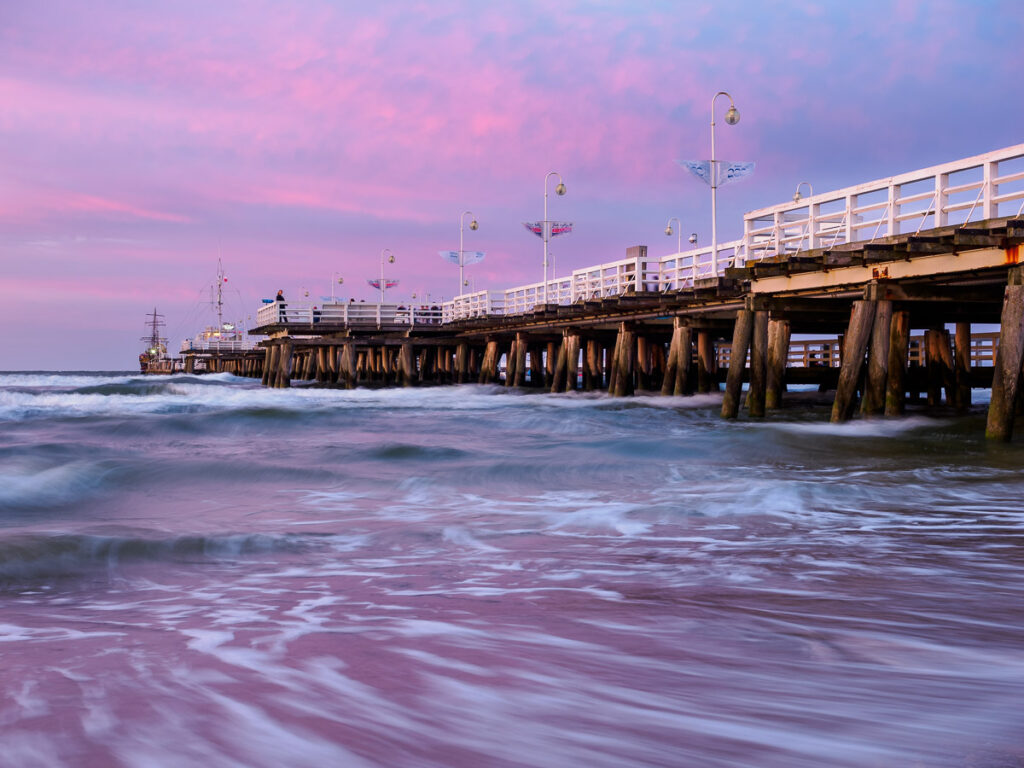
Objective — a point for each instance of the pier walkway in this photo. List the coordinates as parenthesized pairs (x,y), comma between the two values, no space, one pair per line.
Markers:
(883,268)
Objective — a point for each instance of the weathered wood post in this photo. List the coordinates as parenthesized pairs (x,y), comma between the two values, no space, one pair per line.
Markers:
(558,374)
(741,333)
(778,361)
(550,361)
(572,360)
(520,373)
(407,363)
(643,362)
(462,362)
(933,365)
(284,365)
(268,363)
(945,349)
(1006,370)
(489,366)
(962,372)
(621,376)
(510,362)
(758,363)
(672,360)
(873,403)
(855,344)
(536,366)
(707,363)
(593,377)
(896,378)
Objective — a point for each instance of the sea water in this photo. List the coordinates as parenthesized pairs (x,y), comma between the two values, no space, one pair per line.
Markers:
(200,571)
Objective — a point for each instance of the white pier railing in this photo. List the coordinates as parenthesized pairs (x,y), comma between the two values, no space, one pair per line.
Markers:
(346,314)
(973,189)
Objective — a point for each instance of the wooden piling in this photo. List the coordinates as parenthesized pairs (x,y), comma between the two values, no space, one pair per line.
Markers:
(742,331)
(962,367)
(536,367)
(1006,371)
(268,363)
(558,374)
(572,361)
(284,367)
(873,402)
(758,364)
(862,318)
(778,360)
(933,365)
(672,361)
(896,376)
(462,362)
(707,363)
(643,363)
(489,366)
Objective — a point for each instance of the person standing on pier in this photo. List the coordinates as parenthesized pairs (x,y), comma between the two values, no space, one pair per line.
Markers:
(280,307)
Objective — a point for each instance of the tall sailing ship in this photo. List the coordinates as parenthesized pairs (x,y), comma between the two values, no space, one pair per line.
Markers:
(153,359)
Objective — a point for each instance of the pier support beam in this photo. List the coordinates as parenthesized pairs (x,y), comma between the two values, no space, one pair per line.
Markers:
(962,372)
(284,366)
(268,363)
(520,372)
(1006,371)
(623,360)
(707,363)
(855,344)
(778,359)
(758,364)
(741,334)
(407,364)
(558,374)
(677,363)
(873,403)
(896,376)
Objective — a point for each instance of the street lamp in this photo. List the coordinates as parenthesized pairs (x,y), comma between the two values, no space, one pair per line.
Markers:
(732,116)
(559,190)
(335,280)
(462,258)
(391,260)
(679,231)
(797,197)
(693,238)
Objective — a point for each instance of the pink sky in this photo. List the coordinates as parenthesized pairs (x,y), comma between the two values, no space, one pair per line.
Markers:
(140,142)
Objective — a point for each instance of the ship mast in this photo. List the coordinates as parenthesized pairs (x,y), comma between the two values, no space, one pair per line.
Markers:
(155,323)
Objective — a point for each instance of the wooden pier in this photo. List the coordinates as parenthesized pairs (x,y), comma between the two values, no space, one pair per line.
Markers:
(890,315)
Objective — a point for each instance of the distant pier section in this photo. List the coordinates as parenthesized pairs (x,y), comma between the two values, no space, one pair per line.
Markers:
(873,292)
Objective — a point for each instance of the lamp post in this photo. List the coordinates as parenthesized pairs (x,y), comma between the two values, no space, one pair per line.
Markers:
(679,230)
(462,259)
(391,260)
(797,197)
(335,280)
(559,190)
(732,116)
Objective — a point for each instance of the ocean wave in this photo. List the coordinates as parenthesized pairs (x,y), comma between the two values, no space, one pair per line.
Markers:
(40,555)
(30,484)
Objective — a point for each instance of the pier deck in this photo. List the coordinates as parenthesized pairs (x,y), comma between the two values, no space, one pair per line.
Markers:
(843,264)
